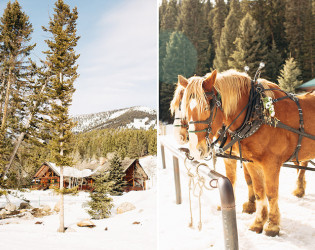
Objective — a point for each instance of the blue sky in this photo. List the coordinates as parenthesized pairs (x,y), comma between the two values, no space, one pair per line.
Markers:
(118,48)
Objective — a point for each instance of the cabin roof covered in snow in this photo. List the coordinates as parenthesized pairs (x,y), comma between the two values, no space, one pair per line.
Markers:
(67,171)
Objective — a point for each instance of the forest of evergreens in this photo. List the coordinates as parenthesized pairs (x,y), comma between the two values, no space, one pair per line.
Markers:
(197,36)
(35,97)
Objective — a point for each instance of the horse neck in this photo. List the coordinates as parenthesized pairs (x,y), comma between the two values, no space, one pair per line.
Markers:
(233,118)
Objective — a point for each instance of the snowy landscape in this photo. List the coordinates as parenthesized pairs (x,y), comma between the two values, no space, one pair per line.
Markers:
(136,229)
(138,117)
(297,214)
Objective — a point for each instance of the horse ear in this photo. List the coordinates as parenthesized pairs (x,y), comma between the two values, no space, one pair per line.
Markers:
(209,82)
(182,81)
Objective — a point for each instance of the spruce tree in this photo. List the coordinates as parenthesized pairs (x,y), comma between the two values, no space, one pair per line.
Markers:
(220,12)
(100,203)
(116,175)
(15,36)
(169,18)
(180,59)
(273,63)
(299,29)
(250,46)
(226,46)
(192,22)
(290,75)
(61,59)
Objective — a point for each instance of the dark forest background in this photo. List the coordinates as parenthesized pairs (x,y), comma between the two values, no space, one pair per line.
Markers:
(198,36)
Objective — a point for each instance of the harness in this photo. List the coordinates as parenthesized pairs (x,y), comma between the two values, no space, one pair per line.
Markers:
(254,118)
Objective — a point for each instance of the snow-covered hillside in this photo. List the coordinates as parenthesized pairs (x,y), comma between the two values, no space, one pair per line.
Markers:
(134,117)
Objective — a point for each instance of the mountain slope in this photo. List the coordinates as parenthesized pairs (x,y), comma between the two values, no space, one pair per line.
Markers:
(134,117)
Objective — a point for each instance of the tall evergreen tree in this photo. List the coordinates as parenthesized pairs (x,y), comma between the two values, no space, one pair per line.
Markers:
(100,203)
(299,26)
(181,58)
(273,63)
(116,175)
(61,59)
(250,46)
(15,37)
(217,23)
(226,46)
(169,18)
(192,22)
(208,7)
(290,76)
(308,47)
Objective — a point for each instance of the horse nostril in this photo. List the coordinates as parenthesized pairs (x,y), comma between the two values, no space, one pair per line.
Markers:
(182,138)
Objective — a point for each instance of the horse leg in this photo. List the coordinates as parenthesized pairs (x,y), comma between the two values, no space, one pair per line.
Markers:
(257,177)
(300,182)
(250,205)
(230,170)
(272,227)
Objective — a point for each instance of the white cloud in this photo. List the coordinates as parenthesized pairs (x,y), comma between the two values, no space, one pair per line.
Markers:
(119,68)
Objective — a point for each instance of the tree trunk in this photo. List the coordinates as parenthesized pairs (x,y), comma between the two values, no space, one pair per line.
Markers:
(6,102)
(61,228)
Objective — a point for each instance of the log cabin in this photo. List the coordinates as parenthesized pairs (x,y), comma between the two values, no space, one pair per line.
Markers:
(48,175)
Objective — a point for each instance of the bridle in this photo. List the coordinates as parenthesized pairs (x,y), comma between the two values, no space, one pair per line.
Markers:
(213,105)
(180,118)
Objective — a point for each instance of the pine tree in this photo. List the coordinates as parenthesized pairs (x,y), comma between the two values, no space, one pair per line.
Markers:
(250,46)
(308,47)
(220,12)
(289,76)
(15,36)
(100,203)
(180,59)
(193,24)
(152,148)
(116,175)
(273,63)
(162,10)
(61,59)
(299,27)
(169,18)
(226,46)
(210,50)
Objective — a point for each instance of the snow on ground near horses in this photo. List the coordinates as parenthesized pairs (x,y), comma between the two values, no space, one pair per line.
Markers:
(297,214)
(18,233)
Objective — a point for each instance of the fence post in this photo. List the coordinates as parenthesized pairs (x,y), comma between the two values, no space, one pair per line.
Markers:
(163,156)
(228,210)
(177,180)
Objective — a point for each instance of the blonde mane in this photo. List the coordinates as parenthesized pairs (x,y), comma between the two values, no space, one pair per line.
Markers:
(230,84)
(178,95)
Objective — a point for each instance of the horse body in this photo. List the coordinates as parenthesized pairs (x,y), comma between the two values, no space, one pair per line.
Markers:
(268,148)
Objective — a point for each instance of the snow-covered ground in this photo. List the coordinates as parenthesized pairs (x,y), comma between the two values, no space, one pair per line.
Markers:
(297,214)
(121,233)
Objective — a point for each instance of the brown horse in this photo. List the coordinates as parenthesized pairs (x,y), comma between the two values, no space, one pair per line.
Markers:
(180,132)
(268,148)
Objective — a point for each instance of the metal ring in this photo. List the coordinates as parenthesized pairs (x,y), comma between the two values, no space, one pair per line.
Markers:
(211,183)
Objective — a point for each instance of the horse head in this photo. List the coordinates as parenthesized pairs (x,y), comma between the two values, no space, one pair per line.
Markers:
(180,125)
(201,108)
